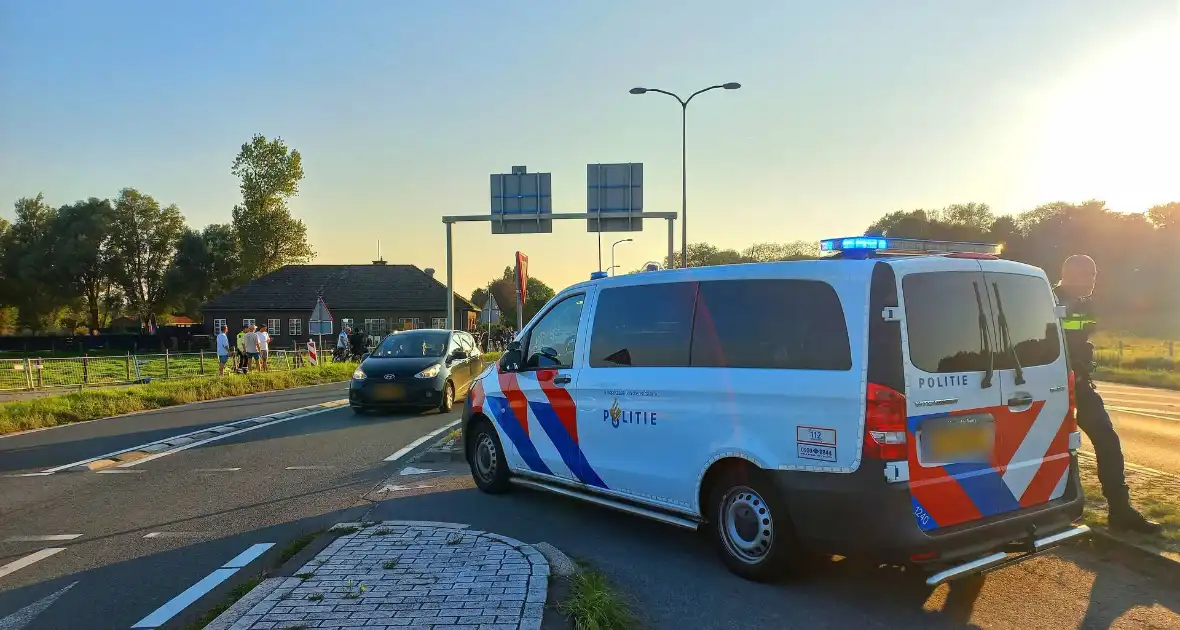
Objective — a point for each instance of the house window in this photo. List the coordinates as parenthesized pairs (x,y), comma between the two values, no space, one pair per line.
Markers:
(247,322)
(345,323)
(217,324)
(274,326)
(438,322)
(410,323)
(377,328)
(295,327)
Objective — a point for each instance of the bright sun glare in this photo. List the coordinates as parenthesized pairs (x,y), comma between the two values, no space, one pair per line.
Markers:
(1112,129)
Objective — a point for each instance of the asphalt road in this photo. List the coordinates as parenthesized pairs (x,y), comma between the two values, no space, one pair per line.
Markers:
(146,536)
(1148,424)
(204,505)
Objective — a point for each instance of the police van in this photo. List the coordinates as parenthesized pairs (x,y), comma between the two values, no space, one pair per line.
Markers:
(902,400)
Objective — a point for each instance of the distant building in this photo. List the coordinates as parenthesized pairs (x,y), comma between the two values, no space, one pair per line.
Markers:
(377,297)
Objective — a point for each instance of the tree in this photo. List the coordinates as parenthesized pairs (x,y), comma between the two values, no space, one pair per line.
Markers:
(32,284)
(206,264)
(81,234)
(267,233)
(504,288)
(143,243)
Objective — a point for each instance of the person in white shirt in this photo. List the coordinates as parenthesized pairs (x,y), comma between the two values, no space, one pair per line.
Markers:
(251,342)
(222,349)
(342,343)
(263,347)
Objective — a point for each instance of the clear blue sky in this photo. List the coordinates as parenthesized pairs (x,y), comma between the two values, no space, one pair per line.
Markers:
(401,110)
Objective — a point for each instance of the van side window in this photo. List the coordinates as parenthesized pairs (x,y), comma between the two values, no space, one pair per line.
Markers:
(648,325)
(942,320)
(552,340)
(775,324)
(1032,324)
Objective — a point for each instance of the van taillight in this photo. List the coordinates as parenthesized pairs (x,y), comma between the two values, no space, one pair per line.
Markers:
(1071,416)
(885,433)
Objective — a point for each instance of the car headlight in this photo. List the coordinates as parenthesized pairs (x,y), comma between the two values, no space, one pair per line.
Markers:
(358,375)
(429,372)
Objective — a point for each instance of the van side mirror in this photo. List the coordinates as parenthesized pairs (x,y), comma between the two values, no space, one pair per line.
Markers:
(512,359)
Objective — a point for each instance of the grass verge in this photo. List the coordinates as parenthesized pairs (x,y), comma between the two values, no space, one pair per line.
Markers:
(297,545)
(1146,378)
(491,357)
(237,593)
(593,604)
(1157,497)
(80,406)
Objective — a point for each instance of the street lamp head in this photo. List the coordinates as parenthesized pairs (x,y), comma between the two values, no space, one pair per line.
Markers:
(639,90)
(730,86)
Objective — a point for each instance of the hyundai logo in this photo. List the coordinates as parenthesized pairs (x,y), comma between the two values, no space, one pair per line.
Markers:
(389,377)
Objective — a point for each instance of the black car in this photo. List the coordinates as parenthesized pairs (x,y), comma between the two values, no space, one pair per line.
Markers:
(426,368)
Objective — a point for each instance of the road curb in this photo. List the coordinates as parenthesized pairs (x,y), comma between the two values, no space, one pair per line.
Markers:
(1152,561)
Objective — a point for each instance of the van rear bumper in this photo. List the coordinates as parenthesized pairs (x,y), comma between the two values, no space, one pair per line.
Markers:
(860,514)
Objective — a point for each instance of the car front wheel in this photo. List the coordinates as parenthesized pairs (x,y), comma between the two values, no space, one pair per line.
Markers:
(485,455)
(448,398)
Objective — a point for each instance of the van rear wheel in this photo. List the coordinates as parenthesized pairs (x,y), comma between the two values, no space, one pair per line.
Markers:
(750,528)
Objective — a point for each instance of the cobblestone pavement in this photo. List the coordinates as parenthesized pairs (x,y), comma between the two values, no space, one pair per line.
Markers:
(407,574)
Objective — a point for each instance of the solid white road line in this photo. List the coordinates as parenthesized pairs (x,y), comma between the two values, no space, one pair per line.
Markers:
(308,467)
(113,471)
(170,609)
(223,436)
(1150,413)
(36,474)
(211,470)
(21,618)
(174,535)
(420,441)
(1143,469)
(50,537)
(20,563)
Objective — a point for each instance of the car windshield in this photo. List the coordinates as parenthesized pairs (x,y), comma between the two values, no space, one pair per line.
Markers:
(413,344)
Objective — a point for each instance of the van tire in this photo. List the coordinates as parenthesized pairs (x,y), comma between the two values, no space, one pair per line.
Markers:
(485,456)
(740,500)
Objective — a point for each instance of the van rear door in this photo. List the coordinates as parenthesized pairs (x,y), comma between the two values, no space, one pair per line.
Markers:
(952,394)
(1033,375)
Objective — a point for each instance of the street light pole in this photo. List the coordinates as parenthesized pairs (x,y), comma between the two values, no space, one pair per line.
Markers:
(612,254)
(684,155)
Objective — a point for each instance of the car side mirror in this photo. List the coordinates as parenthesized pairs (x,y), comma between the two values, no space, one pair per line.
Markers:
(364,356)
(459,354)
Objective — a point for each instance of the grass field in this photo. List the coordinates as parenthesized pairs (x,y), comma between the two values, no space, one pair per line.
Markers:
(92,404)
(1137,360)
(65,372)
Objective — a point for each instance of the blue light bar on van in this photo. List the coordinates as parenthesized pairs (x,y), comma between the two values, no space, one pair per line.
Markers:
(868,244)
(597,275)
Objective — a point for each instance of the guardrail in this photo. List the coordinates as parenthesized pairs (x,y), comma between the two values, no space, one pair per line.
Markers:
(35,373)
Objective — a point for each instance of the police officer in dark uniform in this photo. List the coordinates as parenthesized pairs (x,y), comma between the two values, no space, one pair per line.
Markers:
(1078,275)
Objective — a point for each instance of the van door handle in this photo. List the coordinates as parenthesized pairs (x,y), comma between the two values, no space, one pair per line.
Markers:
(1020,400)
(561,379)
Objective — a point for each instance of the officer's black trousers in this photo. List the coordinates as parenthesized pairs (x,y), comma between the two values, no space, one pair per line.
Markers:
(1093,419)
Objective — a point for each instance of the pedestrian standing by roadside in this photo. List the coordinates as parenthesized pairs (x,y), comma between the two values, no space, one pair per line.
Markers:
(222,349)
(263,347)
(241,347)
(252,347)
(1078,276)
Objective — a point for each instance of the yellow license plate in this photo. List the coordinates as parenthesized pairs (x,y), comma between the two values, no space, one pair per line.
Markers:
(389,392)
(954,444)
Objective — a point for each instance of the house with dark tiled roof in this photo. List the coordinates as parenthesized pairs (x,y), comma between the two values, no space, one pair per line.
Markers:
(378,297)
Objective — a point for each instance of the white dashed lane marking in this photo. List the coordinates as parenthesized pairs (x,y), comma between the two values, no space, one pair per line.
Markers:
(20,563)
(46,538)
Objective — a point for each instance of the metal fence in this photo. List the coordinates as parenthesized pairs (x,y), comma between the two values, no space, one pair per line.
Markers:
(86,371)
(1140,354)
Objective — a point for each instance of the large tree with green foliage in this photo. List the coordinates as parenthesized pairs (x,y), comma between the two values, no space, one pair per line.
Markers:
(504,288)
(207,264)
(81,234)
(268,235)
(27,258)
(144,237)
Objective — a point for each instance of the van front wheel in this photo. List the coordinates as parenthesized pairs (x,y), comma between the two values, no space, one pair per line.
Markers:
(750,527)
